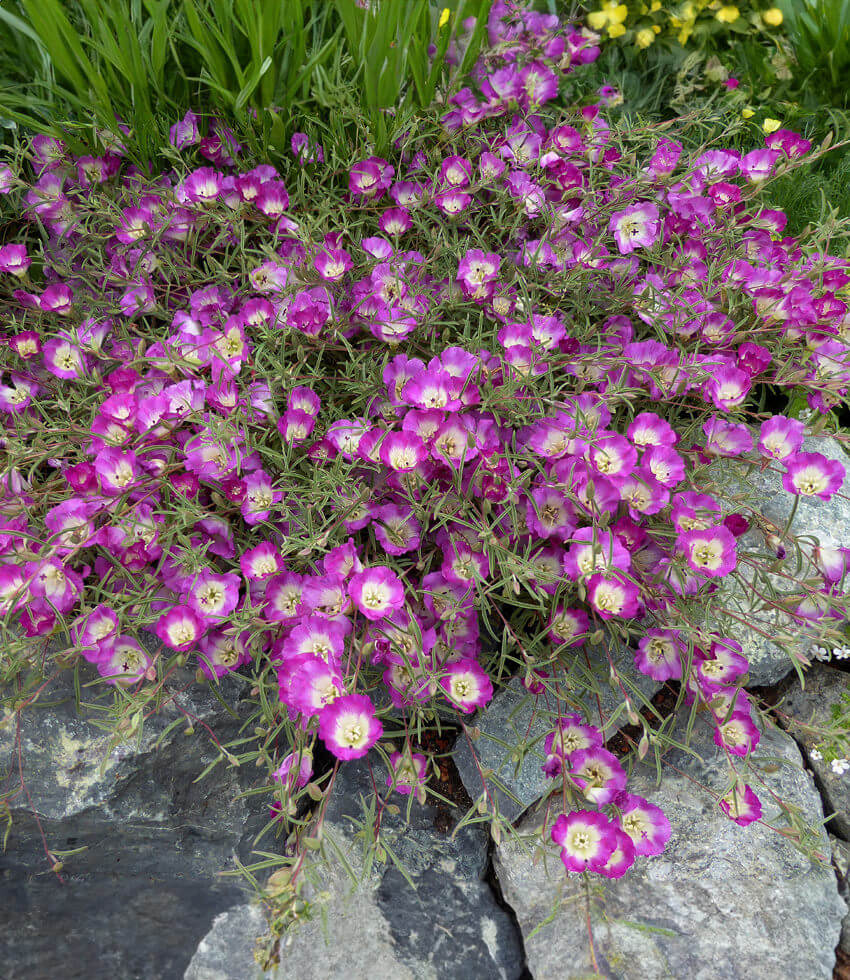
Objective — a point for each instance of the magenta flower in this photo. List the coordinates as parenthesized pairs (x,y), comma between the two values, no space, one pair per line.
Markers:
(332,264)
(370,178)
(598,773)
(213,597)
(180,628)
(728,387)
(299,763)
(348,726)
(317,636)
(63,359)
(571,735)
(645,824)
(116,469)
(467,685)
(409,772)
(185,132)
(261,562)
(402,451)
(659,654)
(396,529)
(813,475)
(711,552)
(14,259)
(622,858)
(568,626)
(741,805)
(587,840)
(311,685)
(611,595)
(127,663)
(222,653)
(738,734)
(634,227)
(377,592)
(96,633)
(202,186)
(284,596)
(306,151)
(395,221)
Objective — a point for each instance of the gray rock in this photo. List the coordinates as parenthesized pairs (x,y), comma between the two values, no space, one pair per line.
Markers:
(826,688)
(722,901)
(821,521)
(135,901)
(448,923)
(227,950)
(504,761)
(841,863)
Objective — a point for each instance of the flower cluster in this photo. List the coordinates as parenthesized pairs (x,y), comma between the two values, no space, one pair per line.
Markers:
(699,23)
(344,457)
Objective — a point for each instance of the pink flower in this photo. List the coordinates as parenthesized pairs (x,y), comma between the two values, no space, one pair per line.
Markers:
(96,633)
(377,592)
(622,858)
(116,469)
(635,227)
(180,628)
(185,133)
(813,475)
(221,653)
(126,663)
(284,596)
(568,626)
(738,734)
(587,840)
(213,597)
(348,726)
(63,359)
(645,823)
(409,771)
(659,654)
(402,451)
(332,264)
(14,259)
(370,178)
(741,805)
(309,684)
(611,595)
(598,774)
(711,552)
(467,685)
(571,735)
(299,763)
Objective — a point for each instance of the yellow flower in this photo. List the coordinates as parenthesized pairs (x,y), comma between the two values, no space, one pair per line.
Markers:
(656,5)
(771,125)
(644,37)
(728,14)
(772,17)
(444,17)
(748,113)
(611,13)
(656,29)
(616,30)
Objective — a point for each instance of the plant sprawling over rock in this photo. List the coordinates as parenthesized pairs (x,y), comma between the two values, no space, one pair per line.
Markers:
(381,433)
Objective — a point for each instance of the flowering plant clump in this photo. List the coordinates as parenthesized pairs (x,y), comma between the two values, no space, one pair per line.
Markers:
(695,23)
(379,443)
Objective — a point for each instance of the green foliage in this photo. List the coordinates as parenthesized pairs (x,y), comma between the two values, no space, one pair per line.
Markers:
(819,32)
(261,65)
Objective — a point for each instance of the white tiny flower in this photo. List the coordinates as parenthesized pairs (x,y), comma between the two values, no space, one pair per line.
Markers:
(816,755)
